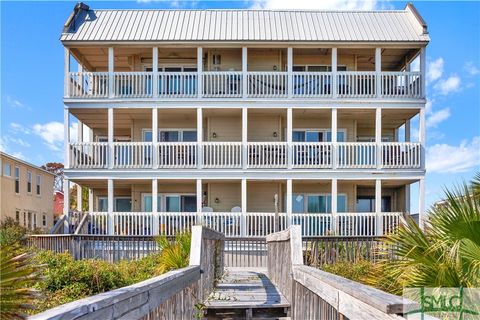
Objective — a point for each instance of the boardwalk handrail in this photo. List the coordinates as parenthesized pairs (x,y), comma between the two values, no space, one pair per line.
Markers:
(332,295)
(162,297)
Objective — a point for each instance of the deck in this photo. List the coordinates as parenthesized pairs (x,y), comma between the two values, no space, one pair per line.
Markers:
(247,294)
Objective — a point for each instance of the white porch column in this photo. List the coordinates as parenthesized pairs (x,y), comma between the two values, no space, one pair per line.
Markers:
(289,202)
(378,71)
(378,207)
(421,203)
(199,72)
(90,200)
(378,136)
(244,138)
(79,198)
(199,201)
(244,71)
(423,69)
(66,204)
(110,139)
(334,197)
(289,71)
(407,131)
(110,206)
(289,138)
(111,62)
(155,72)
(156,222)
(199,138)
(421,135)
(334,81)
(334,152)
(243,222)
(155,137)
(407,198)
(66,137)
(66,80)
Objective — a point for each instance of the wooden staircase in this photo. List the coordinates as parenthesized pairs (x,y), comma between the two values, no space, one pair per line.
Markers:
(246,294)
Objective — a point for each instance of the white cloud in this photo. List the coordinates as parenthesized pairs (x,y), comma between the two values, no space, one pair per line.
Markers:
(446,158)
(437,116)
(18,128)
(435,69)
(18,155)
(318,4)
(14,103)
(449,85)
(52,134)
(471,68)
(428,105)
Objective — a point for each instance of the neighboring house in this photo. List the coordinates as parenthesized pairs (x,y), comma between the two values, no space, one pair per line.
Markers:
(225,117)
(58,204)
(26,193)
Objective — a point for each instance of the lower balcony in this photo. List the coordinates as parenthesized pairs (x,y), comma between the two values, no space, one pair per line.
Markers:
(252,155)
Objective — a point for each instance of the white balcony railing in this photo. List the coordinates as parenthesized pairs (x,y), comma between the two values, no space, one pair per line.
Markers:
(250,224)
(222,84)
(133,155)
(312,154)
(229,155)
(89,155)
(177,154)
(222,154)
(267,154)
(259,84)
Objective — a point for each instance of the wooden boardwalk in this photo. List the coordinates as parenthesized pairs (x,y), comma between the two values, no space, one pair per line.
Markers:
(246,294)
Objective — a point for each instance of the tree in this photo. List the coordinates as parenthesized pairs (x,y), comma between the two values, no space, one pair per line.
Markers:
(73,198)
(57,169)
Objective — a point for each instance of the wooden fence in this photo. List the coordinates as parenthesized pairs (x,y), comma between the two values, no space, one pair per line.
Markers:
(316,294)
(174,295)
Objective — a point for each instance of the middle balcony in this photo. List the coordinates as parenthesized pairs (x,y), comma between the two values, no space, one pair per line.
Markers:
(241,139)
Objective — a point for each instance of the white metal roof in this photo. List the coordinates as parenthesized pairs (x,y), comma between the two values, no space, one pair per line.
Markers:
(246,25)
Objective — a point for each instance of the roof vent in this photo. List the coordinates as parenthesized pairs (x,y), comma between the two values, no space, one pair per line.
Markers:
(69,26)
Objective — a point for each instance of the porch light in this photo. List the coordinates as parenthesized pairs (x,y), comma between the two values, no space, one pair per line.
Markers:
(275,134)
(217,200)
(214,135)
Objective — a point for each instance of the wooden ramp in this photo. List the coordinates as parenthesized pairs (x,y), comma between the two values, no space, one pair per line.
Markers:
(246,294)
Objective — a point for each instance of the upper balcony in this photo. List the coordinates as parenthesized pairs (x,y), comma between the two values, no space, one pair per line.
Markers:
(162,74)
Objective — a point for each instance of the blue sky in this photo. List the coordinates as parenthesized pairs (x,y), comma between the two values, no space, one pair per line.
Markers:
(32,78)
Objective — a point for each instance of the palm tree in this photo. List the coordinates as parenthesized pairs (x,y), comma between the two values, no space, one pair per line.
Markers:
(445,254)
(17,276)
(174,254)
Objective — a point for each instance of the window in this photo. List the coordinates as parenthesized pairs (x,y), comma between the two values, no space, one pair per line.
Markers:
(367,204)
(17,216)
(317,203)
(172,135)
(120,204)
(317,135)
(34,220)
(29,182)
(38,181)
(7,170)
(170,203)
(44,220)
(24,219)
(17,180)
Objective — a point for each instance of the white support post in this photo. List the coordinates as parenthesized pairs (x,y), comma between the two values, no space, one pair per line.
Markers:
(334,152)
(334,81)
(199,72)
(289,202)
(378,71)
(421,135)
(199,201)
(90,200)
(423,69)
(111,80)
(407,198)
(110,139)
(110,225)
(244,138)
(155,137)
(244,71)
(155,72)
(243,222)
(79,198)
(66,72)
(66,205)
(156,222)
(290,71)
(407,131)
(66,137)
(378,136)
(289,138)
(334,197)
(199,138)
(421,203)
(378,207)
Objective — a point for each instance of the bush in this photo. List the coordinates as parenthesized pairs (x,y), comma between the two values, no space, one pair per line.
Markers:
(11,233)
(355,271)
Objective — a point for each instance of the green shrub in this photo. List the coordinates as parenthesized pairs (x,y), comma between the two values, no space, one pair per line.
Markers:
(355,271)
(174,254)
(11,233)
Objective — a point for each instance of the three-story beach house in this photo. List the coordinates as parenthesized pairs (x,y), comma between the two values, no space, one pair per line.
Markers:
(245,121)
